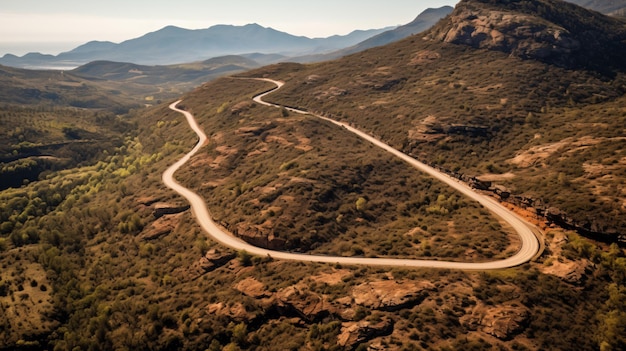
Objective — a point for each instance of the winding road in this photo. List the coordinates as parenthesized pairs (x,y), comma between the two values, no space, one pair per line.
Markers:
(529,243)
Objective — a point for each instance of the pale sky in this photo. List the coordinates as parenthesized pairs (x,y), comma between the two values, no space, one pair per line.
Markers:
(51,27)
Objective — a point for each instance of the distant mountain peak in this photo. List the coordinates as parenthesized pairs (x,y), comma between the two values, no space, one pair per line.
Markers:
(422,22)
(551,31)
(436,10)
(172,44)
(608,7)
(172,28)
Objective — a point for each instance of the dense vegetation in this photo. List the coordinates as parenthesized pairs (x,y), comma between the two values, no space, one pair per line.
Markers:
(36,140)
(59,88)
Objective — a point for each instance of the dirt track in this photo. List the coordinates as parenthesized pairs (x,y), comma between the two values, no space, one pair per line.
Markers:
(529,247)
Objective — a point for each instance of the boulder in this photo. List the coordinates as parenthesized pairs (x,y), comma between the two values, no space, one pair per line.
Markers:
(259,236)
(355,333)
(388,295)
(215,258)
(501,191)
(212,260)
(253,288)
(162,208)
(503,322)
(300,301)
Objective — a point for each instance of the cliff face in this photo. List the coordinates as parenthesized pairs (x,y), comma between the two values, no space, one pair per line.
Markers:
(551,31)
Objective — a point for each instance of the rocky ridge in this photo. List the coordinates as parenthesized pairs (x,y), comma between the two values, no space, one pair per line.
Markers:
(551,31)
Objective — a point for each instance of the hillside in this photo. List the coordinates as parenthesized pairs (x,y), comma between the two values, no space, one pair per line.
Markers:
(461,99)
(52,120)
(171,80)
(22,86)
(422,22)
(549,31)
(103,256)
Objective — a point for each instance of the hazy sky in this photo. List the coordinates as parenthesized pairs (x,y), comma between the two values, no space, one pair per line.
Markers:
(60,25)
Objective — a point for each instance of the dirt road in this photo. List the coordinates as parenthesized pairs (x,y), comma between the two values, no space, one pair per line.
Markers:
(529,243)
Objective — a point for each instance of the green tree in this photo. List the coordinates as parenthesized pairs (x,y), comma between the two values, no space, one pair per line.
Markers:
(240,333)
(612,328)
(361,204)
(245,258)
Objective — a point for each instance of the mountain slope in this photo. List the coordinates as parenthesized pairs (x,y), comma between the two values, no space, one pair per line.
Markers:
(22,86)
(482,103)
(52,120)
(183,76)
(422,22)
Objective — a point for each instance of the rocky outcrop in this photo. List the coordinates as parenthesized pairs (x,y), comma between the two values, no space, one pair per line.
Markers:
(596,229)
(255,130)
(432,129)
(235,312)
(162,208)
(573,272)
(259,236)
(242,107)
(295,301)
(212,260)
(148,200)
(501,191)
(355,333)
(546,30)
(253,288)
(388,295)
(506,322)
(503,322)
(299,300)
(160,227)
(515,33)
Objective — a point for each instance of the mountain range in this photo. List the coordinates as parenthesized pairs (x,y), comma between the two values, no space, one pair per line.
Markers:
(608,7)
(173,45)
(425,20)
